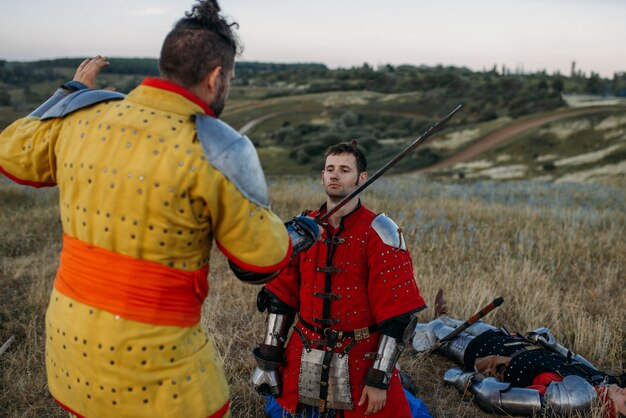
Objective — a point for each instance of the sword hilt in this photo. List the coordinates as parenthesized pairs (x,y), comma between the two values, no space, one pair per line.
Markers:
(473,319)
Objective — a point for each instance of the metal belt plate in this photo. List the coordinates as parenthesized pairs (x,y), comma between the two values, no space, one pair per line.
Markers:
(339,393)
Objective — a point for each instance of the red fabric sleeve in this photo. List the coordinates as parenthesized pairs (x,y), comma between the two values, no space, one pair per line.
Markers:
(391,287)
(542,380)
(286,286)
(545,378)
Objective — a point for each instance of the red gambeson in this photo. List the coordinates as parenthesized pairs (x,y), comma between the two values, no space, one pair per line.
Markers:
(374,282)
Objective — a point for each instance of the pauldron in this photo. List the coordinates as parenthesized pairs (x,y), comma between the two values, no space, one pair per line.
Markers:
(76,101)
(388,231)
(234,156)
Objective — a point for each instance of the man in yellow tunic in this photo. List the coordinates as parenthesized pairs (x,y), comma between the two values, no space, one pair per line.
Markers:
(146,182)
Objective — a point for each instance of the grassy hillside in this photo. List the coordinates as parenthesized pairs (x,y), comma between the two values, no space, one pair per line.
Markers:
(588,147)
(553,251)
(292,112)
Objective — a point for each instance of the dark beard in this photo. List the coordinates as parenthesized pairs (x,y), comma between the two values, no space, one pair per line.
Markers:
(220,100)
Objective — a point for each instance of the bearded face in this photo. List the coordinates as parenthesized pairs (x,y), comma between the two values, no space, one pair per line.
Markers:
(340,176)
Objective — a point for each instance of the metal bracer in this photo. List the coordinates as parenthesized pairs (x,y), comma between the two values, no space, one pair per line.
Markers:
(543,336)
(494,396)
(387,355)
(269,354)
(276,330)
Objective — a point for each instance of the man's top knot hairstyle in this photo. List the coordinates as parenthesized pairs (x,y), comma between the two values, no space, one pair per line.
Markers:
(348,148)
(199,42)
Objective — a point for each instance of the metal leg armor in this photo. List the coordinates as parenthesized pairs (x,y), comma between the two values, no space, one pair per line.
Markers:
(494,396)
(571,396)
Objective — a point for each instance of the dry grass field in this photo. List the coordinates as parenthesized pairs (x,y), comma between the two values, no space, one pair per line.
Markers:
(554,252)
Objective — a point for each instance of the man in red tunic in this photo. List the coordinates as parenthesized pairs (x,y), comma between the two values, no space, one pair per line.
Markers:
(355,295)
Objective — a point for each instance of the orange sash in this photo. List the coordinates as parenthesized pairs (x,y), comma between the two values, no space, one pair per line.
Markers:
(132,288)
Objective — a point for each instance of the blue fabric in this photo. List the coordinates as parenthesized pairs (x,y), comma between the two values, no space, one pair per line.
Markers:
(418,408)
(274,410)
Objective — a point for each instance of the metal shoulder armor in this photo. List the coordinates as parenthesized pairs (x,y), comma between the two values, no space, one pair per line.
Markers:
(388,231)
(79,100)
(234,156)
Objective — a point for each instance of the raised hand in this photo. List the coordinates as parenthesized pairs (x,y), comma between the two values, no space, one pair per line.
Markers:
(88,70)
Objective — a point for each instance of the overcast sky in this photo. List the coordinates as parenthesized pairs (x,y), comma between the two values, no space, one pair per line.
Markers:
(528,34)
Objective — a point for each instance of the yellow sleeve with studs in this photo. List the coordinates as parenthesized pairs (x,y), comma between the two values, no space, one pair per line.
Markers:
(133,179)
(27,151)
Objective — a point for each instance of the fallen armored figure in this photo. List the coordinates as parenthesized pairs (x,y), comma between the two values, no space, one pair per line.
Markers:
(521,375)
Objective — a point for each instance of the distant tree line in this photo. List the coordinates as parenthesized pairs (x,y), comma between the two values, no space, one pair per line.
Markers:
(491,93)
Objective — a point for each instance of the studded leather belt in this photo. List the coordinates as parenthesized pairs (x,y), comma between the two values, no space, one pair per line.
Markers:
(357,334)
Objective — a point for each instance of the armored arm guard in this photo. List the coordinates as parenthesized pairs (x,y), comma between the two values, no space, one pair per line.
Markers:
(544,337)
(269,354)
(396,333)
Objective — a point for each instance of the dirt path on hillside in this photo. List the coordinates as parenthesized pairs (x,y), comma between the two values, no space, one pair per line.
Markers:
(503,134)
(488,142)
(254,122)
